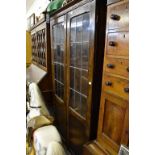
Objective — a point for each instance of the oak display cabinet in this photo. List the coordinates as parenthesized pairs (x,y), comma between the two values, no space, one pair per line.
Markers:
(77,57)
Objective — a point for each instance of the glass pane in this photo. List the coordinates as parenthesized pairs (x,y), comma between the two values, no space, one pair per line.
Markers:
(56,88)
(86,27)
(54,34)
(73,54)
(78,102)
(72,99)
(73,30)
(84,82)
(79,28)
(62,53)
(58,47)
(83,106)
(58,42)
(55,54)
(55,72)
(85,55)
(61,74)
(58,53)
(77,81)
(59,33)
(59,89)
(72,75)
(78,55)
(62,33)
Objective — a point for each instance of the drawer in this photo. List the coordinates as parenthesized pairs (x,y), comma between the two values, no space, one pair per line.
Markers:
(118,15)
(112,1)
(118,43)
(117,66)
(116,86)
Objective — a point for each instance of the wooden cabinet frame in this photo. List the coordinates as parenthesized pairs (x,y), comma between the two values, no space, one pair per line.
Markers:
(84,127)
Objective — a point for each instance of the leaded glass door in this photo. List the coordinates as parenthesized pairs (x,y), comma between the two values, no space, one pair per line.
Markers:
(79,41)
(58,45)
(80,68)
(58,48)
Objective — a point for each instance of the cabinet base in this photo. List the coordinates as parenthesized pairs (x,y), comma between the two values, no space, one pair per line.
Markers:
(93,148)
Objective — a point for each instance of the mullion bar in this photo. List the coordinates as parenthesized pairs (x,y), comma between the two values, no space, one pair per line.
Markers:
(59,82)
(78,92)
(75,62)
(79,42)
(79,68)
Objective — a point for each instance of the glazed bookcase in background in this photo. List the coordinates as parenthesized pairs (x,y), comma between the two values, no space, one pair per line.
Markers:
(40,69)
(39,49)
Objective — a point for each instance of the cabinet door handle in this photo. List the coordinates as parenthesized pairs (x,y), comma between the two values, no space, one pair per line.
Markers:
(89,83)
(126,90)
(115,17)
(112,43)
(108,83)
(110,65)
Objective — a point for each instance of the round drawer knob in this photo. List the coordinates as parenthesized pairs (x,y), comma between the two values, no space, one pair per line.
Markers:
(115,17)
(127,69)
(89,83)
(108,83)
(112,43)
(110,65)
(126,90)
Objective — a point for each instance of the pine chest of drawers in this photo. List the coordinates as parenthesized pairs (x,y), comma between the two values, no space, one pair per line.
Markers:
(113,125)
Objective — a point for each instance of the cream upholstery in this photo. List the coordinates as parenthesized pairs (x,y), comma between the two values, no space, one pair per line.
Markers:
(46,139)
(33,113)
(55,148)
(37,104)
(43,137)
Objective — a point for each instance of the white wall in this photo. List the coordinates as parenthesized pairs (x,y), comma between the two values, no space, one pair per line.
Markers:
(37,6)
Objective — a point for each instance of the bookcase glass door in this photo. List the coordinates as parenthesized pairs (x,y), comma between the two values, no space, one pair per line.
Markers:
(34,54)
(41,47)
(58,47)
(79,58)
